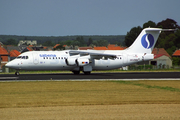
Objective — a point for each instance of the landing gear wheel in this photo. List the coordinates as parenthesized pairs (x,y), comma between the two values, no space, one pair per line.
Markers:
(76,72)
(17,73)
(87,73)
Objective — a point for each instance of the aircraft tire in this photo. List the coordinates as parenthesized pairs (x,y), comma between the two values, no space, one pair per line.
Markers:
(76,72)
(87,73)
(17,73)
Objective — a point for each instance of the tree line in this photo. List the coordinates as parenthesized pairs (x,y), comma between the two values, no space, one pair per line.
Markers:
(98,40)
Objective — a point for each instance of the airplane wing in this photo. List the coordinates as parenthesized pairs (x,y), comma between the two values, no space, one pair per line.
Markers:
(93,53)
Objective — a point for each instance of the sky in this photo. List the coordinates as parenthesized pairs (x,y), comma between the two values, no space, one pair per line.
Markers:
(82,17)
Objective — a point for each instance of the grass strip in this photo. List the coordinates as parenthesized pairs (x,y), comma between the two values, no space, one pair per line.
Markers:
(149,86)
(80,93)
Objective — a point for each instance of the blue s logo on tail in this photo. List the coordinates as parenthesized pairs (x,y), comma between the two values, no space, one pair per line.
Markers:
(147,41)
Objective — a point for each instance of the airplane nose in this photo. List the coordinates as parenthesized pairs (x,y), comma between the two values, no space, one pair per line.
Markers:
(10,64)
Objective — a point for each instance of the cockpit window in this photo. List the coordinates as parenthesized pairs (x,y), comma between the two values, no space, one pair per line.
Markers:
(19,57)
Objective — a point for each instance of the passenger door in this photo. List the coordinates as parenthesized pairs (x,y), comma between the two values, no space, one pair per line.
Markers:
(35,58)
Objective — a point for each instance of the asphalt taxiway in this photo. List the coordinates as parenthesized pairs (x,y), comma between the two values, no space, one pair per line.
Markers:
(94,76)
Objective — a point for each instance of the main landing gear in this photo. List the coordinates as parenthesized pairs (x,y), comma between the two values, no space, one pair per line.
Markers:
(17,73)
(78,72)
(87,73)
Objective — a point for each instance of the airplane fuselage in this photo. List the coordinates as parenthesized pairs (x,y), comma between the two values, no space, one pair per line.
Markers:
(57,60)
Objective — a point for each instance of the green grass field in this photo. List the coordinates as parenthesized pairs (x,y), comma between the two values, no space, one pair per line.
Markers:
(80,93)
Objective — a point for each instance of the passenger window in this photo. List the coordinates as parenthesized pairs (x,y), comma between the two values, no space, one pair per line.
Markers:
(23,57)
(61,57)
(27,57)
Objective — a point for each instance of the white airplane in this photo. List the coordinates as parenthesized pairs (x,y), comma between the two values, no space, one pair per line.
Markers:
(88,60)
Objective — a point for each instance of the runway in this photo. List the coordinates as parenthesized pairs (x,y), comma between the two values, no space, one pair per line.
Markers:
(94,76)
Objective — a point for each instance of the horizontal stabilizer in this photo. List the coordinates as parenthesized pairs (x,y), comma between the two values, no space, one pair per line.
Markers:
(168,30)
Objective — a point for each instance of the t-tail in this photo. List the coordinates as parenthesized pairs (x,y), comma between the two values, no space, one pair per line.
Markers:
(146,40)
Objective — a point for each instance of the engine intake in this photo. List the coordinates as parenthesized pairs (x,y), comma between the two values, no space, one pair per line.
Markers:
(71,61)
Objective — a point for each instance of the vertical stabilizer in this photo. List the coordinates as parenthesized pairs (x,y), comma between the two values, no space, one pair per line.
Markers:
(146,41)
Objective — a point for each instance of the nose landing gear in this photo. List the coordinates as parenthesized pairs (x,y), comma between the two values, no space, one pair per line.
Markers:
(17,73)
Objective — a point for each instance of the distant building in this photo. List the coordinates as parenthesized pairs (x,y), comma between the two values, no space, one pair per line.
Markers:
(11,47)
(27,42)
(115,47)
(4,56)
(85,48)
(14,53)
(176,53)
(100,48)
(59,47)
(161,58)
(68,47)
(110,47)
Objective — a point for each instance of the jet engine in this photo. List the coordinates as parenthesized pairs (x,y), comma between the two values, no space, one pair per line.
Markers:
(82,62)
(76,61)
(71,61)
